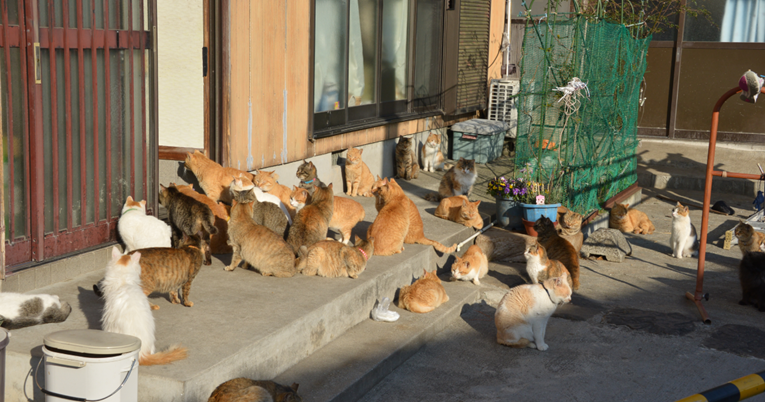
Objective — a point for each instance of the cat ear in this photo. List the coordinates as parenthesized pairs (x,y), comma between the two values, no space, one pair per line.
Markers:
(162,187)
(116,253)
(356,240)
(135,256)
(330,186)
(477,203)
(130,198)
(361,151)
(295,386)
(143,203)
(310,163)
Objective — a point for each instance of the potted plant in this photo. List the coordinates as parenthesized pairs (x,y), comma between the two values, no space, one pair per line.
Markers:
(507,193)
(538,199)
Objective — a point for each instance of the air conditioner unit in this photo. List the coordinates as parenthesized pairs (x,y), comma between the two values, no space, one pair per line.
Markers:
(502,105)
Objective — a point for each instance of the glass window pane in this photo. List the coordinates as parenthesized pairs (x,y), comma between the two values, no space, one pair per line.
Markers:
(734,21)
(394,50)
(329,50)
(13,138)
(427,59)
(47,140)
(362,60)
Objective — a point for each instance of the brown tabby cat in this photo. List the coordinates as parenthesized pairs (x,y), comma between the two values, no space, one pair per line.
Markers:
(257,245)
(218,241)
(188,218)
(570,229)
(540,267)
(312,222)
(424,295)
(267,182)
(333,259)
(458,180)
(263,213)
(630,220)
(358,178)
(346,212)
(406,160)
(459,209)
(748,238)
(398,222)
(246,390)
(558,248)
(306,172)
(472,266)
(166,270)
(212,177)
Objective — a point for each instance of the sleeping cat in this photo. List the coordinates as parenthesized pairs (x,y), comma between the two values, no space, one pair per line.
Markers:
(630,220)
(257,245)
(472,266)
(683,240)
(212,177)
(558,248)
(458,180)
(540,267)
(432,158)
(333,259)
(398,221)
(312,222)
(424,295)
(570,229)
(267,181)
(219,241)
(459,209)
(19,310)
(751,274)
(358,178)
(138,230)
(306,172)
(522,314)
(189,218)
(246,390)
(346,213)
(263,213)
(406,160)
(749,240)
(127,311)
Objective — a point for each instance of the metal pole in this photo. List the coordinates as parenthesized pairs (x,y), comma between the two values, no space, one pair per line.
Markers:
(2,203)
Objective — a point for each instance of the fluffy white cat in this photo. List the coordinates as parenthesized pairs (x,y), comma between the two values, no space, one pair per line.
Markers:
(683,240)
(19,310)
(139,230)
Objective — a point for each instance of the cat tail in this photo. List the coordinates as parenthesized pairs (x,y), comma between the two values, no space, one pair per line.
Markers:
(447,165)
(438,246)
(209,226)
(434,196)
(172,354)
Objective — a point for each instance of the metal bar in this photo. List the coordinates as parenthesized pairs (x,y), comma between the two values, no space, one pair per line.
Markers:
(35,151)
(53,119)
(120,110)
(68,107)
(132,97)
(99,36)
(154,104)
(94,71)
(736,390)
(107,115)
(26,120)
(737,175)
(9,84)
(143,105)
(83,149)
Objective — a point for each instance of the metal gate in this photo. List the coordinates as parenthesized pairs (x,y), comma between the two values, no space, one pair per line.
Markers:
(79,121)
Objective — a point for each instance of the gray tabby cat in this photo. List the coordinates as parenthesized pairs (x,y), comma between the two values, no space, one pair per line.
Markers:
(306,172)
(263,213)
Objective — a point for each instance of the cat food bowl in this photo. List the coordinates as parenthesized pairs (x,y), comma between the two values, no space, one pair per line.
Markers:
(530,227)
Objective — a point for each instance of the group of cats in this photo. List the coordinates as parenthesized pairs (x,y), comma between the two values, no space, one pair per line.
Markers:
(751,269)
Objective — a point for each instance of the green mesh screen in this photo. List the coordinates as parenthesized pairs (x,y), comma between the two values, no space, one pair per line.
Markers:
(593,155)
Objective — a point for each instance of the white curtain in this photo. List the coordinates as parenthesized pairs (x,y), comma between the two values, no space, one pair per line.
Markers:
(395,24)
(744,21)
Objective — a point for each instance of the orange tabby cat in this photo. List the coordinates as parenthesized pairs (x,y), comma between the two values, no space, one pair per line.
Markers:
(312,222)
(472,266)
(424,295)
(398,222)
(212,177)
(345,214)
(333,259)
(459,209)
(570,229)
(266,181)
(358,178)
(749,239)
(540,268)
(558,248)
(218,241)
(247,390)
(630,220)
(378,197)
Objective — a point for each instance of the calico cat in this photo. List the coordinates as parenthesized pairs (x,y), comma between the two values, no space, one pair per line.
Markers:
(333,259)
(127,311)
(749,240)
(522,314)
(212,177)
(472,266)
(358,178)
(312,222)
(219,241)
(424,295)
(398,221)
(246,390)
(683,240)
(263,213)
(751,273)
(629,220)
(346,213)
(558,248)
(257,245)
(458,180)
(267,181)
(306,172)
(570,229)
(432,158)
(188,218)
(406,160)
(138,230)
(19,310)
(459,209)
(540,267)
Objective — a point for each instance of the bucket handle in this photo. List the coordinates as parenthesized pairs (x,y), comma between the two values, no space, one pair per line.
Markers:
(72,398)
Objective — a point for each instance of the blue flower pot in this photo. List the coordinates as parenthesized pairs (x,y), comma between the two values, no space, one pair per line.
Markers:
(532,212)
(509,213)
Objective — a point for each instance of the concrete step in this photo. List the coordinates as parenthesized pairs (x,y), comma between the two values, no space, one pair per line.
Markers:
(681,179)
(351,365)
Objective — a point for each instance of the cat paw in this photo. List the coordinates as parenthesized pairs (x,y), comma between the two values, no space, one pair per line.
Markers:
(154,306)
(188,303)
(542,346)
(229,268)
(476,282)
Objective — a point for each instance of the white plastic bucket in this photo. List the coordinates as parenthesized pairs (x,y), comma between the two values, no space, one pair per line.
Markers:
(90,365)
(3,344)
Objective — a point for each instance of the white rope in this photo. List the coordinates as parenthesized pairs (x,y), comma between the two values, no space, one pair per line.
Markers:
(571,95)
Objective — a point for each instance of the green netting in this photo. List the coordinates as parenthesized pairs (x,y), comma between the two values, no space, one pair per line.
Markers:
(593,155)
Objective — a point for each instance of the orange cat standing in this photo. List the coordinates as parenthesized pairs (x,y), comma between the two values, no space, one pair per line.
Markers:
(212,177)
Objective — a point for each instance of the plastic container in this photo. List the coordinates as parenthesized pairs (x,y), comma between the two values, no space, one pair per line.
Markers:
(532,212)
(4,339)
(478,139)
(93,365)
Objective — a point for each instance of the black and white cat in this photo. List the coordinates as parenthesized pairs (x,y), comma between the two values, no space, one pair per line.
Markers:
(20,310)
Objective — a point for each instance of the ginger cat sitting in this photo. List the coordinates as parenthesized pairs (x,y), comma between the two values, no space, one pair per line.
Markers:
(398,221)
(266,181)
(218,241)
(424,295)
(432,157)
(570,229)
(212,177)
(630,220)
(346,212)
(333,259)
(459,209)
(358,178)
(472,266)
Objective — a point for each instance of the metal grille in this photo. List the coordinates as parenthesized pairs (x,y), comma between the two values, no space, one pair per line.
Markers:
(502,105)
(473,61)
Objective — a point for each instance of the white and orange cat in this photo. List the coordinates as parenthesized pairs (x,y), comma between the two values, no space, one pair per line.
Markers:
(139,230)
(472,266)
(432,157)
(267,181)
(540,267)
(683,239)
(346,212)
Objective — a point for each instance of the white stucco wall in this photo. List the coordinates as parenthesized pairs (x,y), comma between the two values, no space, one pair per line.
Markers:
(181,87)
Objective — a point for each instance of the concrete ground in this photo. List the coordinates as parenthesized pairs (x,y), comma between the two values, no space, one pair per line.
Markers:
(629,333)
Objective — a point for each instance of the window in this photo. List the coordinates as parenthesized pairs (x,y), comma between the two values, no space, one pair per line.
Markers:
(735,21)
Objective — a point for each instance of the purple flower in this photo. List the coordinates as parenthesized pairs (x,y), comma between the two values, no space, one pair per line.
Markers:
(523,191)
(516,191)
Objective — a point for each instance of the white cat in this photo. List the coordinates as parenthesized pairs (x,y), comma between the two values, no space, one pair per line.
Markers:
(683,240)
(522,315)
(19,310)
(139,230)
(127,311)
(432,158)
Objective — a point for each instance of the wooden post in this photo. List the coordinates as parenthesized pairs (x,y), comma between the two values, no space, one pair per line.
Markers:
(2,204)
